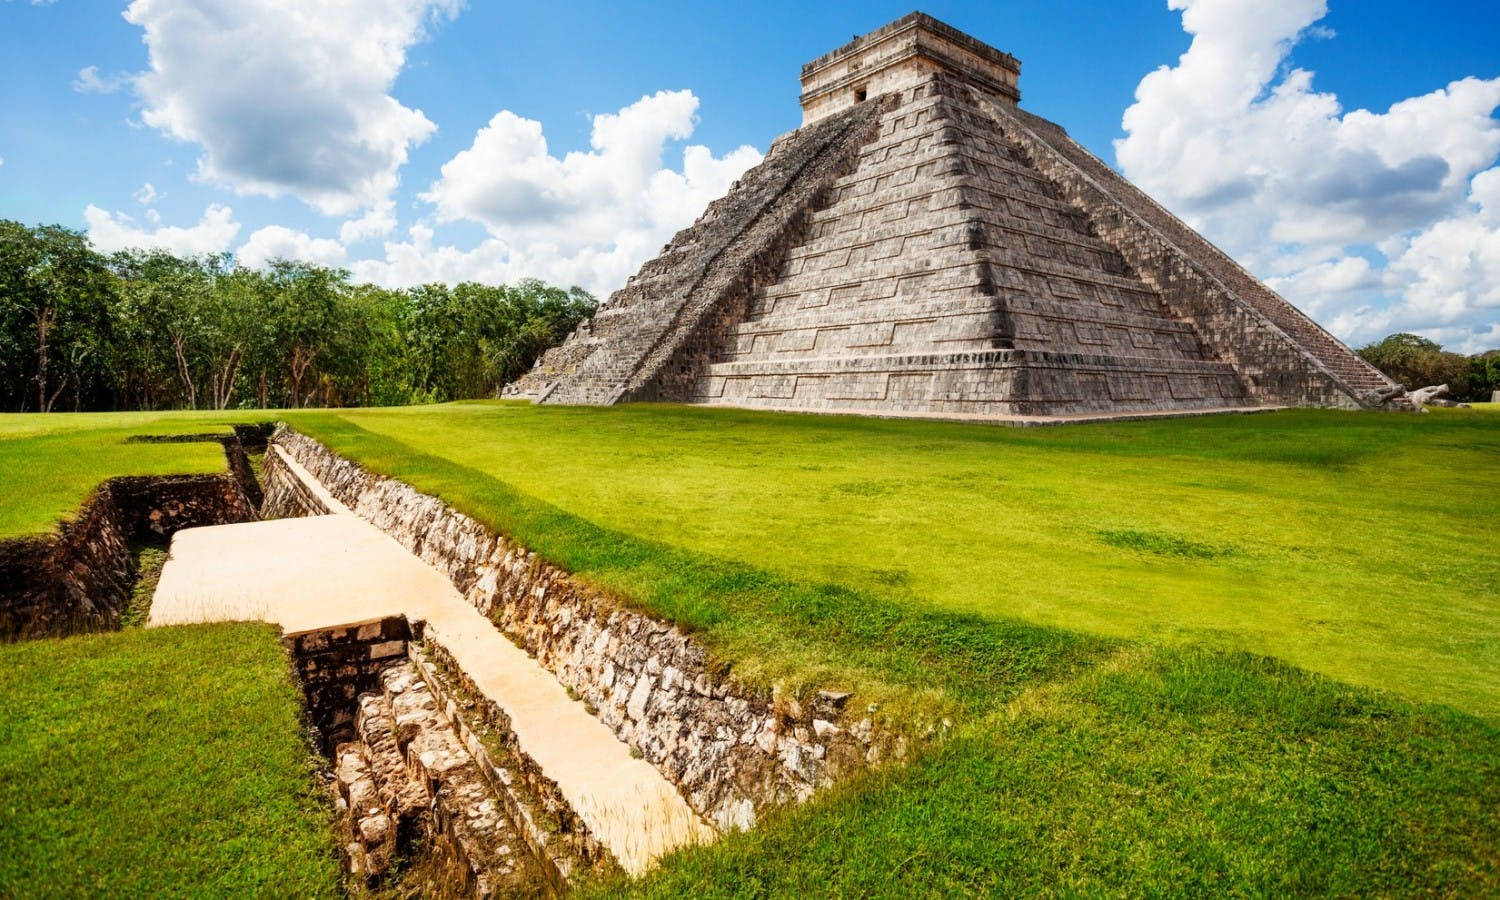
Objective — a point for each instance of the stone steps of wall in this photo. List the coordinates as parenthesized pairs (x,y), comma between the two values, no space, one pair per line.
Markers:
(409,782)
(560,840)
(658,307)
(940,361)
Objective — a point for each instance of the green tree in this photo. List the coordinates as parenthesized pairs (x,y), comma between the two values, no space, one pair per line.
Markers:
(54,283)
(1418,362)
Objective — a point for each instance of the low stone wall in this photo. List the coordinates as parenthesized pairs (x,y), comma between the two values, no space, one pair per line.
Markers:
(336,665)
(286,497)
(734,752)
(80,579)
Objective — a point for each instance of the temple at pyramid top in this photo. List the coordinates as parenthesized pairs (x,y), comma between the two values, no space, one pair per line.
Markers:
(921,246)
(900,55)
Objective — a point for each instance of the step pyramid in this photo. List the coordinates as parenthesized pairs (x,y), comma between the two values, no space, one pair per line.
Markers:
(923,247)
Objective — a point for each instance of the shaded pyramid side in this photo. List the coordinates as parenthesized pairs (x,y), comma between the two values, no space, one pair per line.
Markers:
(705,273)
(948,277)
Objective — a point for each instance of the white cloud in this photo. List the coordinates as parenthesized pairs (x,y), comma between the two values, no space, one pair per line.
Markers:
(420,260)
(90,82)
(146,194)
(1449,274)
(287,97)
(214,232)
(378,221)
(589,217)
(1306,194)
(278,242)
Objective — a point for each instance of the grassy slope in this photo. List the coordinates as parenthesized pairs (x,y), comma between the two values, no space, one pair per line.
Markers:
(1164,772)
(1360,546)
(160,762)
(1079,762)
(49,464)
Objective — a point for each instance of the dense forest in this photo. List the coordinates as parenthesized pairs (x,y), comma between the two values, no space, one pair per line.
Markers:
(1417,362)
(149,330)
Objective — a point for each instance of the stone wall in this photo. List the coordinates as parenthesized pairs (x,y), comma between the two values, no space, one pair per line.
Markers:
(286,496)
(734,752)
(336,665)
(80,579)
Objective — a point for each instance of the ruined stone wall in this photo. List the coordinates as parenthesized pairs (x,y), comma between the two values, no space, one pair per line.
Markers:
(286,496)
(734,752)
(80,579)
(336,665)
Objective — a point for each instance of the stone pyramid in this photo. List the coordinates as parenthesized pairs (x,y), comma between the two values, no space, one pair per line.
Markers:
(922,247)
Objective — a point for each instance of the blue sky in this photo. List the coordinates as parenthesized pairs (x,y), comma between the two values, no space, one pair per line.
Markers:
(429,139)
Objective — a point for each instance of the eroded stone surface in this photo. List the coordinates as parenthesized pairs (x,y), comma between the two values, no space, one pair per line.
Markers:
(407,782)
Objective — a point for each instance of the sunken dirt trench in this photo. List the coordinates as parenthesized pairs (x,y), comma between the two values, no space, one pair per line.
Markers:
(492,726)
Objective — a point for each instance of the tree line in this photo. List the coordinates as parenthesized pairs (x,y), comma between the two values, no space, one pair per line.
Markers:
(1417,362)
(146,330)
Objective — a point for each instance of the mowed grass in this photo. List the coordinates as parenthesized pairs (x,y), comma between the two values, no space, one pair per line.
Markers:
(49,464)
(163,762)
(1356,545)
(1162,772)
(1085,717)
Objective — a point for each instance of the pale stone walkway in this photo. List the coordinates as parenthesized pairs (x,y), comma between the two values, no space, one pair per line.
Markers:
(323,571)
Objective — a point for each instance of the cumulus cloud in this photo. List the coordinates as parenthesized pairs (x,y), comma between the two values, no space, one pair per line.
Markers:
(287,97)
(279,242)
(1345,212)
(420,259)
(214,232)
(586,217)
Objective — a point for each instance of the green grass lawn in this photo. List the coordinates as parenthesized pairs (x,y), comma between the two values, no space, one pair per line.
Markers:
(49,464)
(1164,772)
(1095,608)
(1357,545)
(164,762)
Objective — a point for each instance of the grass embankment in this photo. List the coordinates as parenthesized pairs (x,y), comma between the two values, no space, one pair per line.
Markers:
(49,464)
(1357,545)
(158,762)
(1076,600)
(1166,772)
(1104,756)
